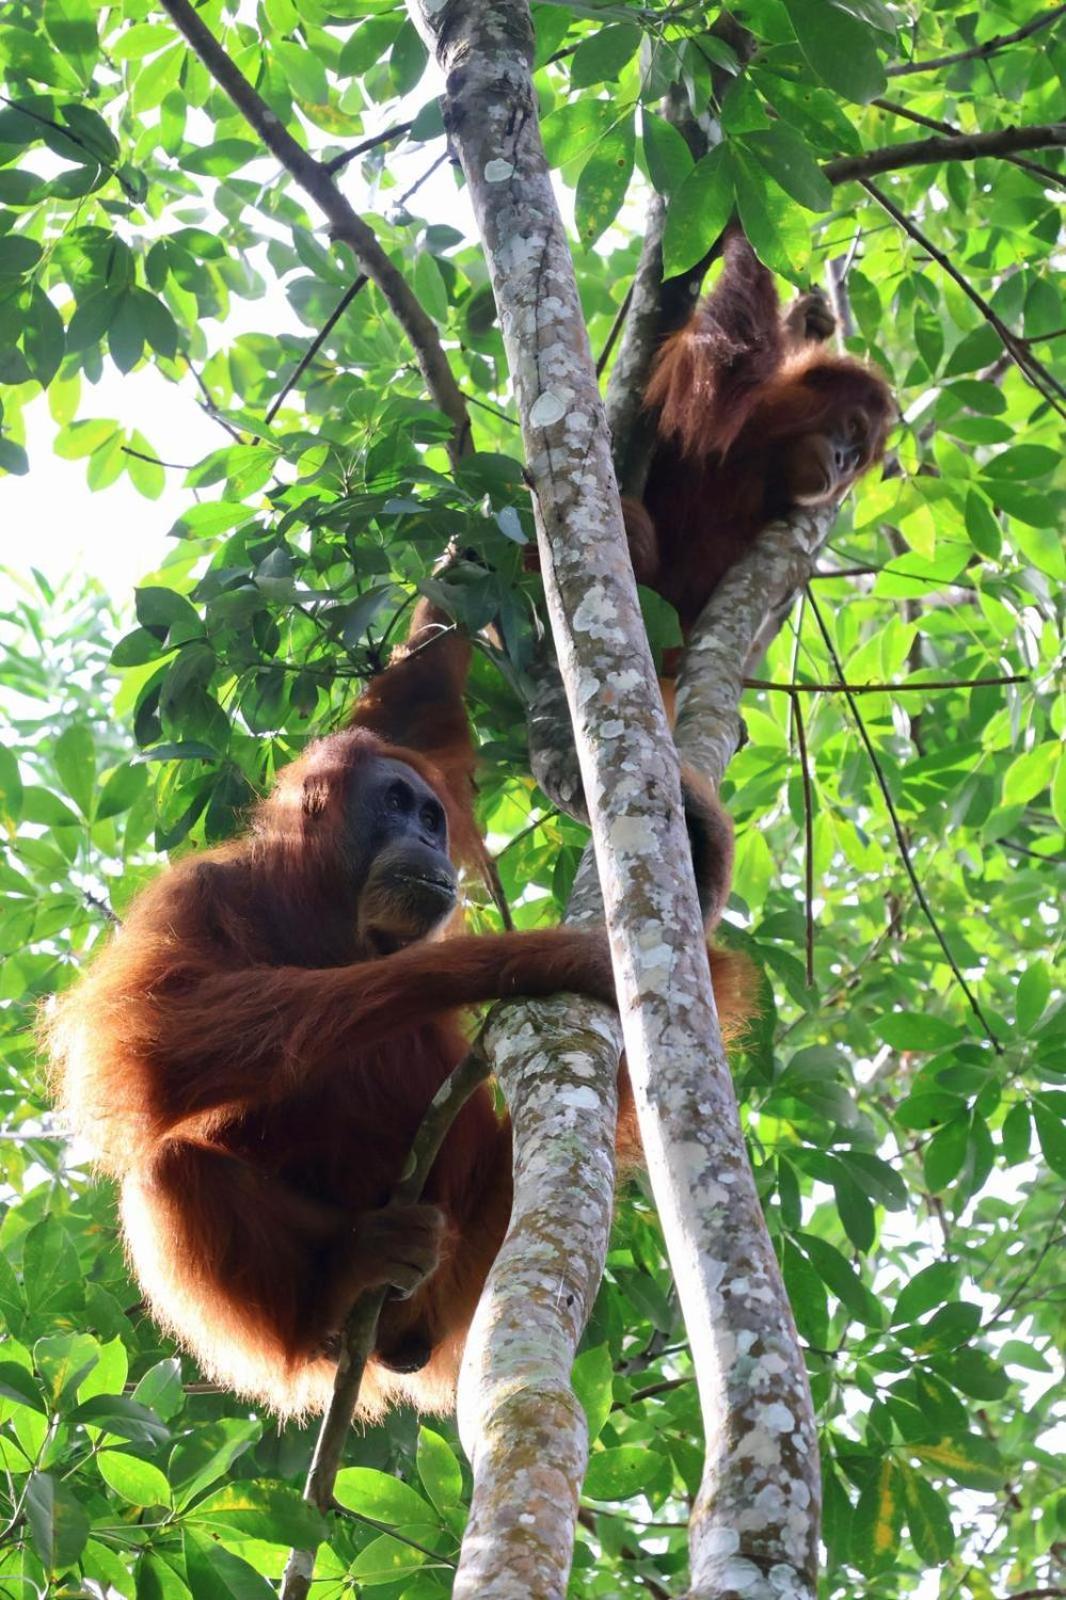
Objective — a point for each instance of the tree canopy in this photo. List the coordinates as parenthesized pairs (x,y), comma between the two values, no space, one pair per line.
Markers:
(900,845)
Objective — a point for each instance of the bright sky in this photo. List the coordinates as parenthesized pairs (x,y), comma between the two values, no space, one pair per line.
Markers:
(52,520)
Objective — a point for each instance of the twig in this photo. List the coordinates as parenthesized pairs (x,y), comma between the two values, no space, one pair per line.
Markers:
(338,163)
(615,329)
(81,144)
(1037,374)
(317,342)
(315,178)
(102,906)
(441,159)
(1023,850)
(360,1329)
(897,828)
(155,461)
(978,51)
(956,147)
(208,405)
(884,688)
(808,838)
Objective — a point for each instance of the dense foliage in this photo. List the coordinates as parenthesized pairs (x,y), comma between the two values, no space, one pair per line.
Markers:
(910,1150)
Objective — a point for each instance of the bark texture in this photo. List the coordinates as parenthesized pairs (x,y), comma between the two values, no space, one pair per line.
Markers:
(519,1419)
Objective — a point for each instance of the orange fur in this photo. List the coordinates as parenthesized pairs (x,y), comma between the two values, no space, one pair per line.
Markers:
(253,1077)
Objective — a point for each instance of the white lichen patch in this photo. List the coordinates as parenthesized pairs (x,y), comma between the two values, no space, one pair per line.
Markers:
(632,834)
(546,409)
(777,1418)
(720,1541)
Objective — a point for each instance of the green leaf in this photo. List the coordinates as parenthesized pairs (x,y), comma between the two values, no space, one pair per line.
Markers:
(878,1519)
(429,286)
(876,1178)
(982,525)
(251,1509)
(215,1573)
(928,1288)
(1030,774)
(384,1498)
(167,614)
(1023,462)
(304,72)
(10,786)
(946,1152)
(17,255)
(698,211)
(407,61)
(575,129)
(603,182)
(779,233)
(156,322)
(123,788)
(74,755)
(967,1459)
(622,1472)
(125,334)
(787,159)
(918,1030)
(202,1457)
(1051,1132)
(602,55)
(43,340)
(385,1560)
(928,1518)
(117,1414)
(841,1277)
(439,1470)
(668,156)
(19,1385)
(840,49)
(59,1525)
(1032,995)
(132,1479)
(975,1373)
(593,1383)
(1016,1136)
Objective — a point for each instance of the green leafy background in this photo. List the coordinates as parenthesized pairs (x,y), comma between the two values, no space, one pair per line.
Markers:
(911,1174)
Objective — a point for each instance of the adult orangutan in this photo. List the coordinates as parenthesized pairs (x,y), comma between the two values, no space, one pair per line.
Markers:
(251,1055)
(754,416)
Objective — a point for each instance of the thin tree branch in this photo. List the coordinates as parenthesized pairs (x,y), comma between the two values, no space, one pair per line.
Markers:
(1038,375)
(894,109)
(360,1329)
(155,461)
(315,178)
(338,163)
(615,329)
(208,405)
(808,838)
(1044,19)
(316,343)
(441,159)
(956,147)
(897,828)
(884,688)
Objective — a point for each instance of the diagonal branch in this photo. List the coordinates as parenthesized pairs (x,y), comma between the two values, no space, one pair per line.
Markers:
(316,180)
(360,1330)
(1002,41)
(895,109)
(897,828)
(1038,375)
(953,147)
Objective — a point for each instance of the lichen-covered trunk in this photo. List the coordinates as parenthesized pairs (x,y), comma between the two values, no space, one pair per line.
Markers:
(756,1408)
